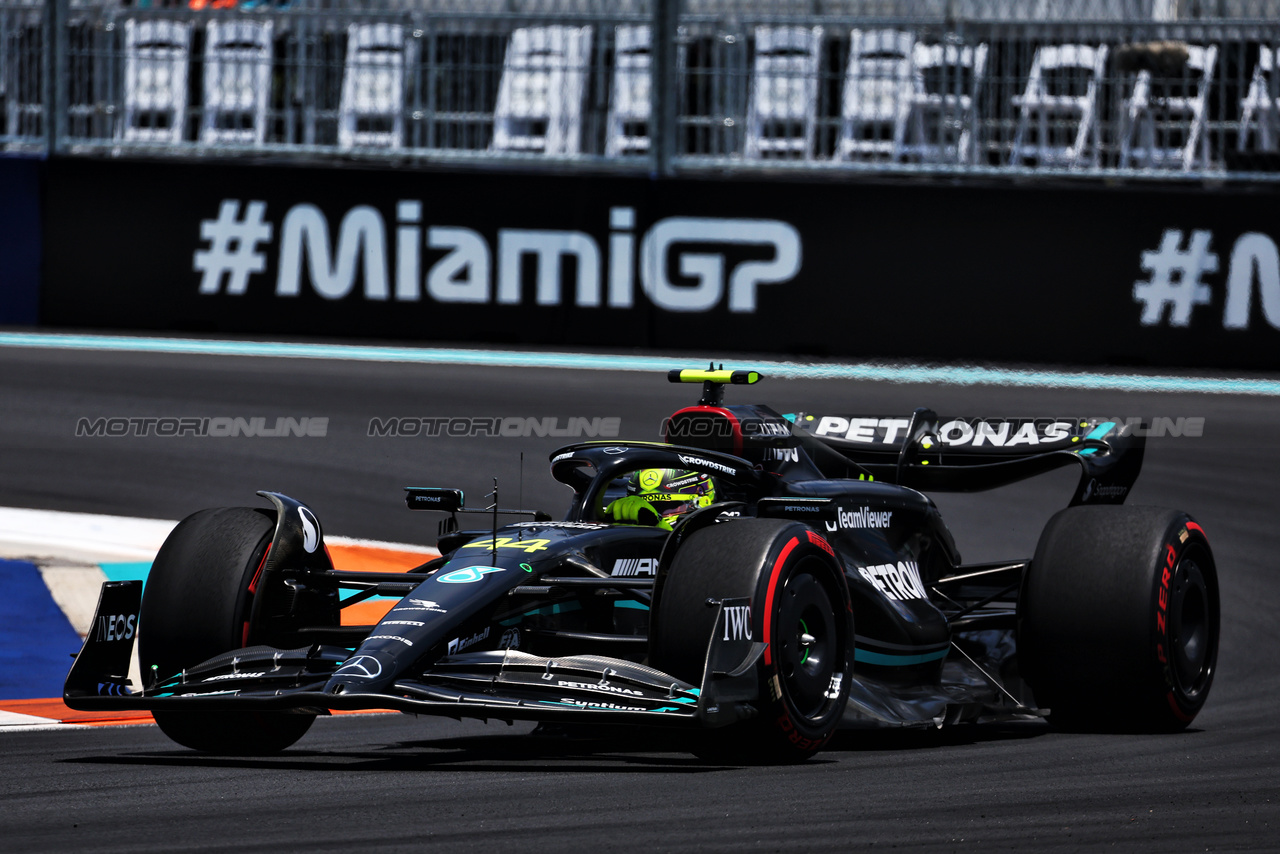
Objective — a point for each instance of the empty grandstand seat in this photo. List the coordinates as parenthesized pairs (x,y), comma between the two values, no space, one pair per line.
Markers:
(1057,112)
(371,110)
(877,94)
(237,82)
(1163,121)
(630,105)
(941,124)
(1258,108)
(544,78)
(782,112)
(155,80)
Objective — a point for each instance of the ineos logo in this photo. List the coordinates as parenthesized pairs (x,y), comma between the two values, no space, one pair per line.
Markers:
(115,628)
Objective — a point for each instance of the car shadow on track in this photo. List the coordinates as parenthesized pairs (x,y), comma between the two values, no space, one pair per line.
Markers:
(568,751)
(867,740)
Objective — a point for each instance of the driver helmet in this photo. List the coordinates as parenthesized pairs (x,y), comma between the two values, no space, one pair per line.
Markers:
(672,492)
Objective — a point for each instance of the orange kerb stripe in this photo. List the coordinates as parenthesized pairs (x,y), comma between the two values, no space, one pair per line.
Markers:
(57,712)
(372,559)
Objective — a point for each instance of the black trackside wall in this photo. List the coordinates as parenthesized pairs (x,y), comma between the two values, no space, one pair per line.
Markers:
(20,179)
(1072,273)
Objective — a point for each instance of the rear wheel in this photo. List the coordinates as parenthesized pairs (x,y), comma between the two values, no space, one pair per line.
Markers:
(197,603)
(1118,619)
(800,607)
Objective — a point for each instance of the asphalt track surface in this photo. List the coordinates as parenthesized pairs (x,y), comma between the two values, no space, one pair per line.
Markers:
(395,782)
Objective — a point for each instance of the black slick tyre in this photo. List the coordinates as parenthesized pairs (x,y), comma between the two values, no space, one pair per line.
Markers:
(800,607)
(1118,619)
(196,605)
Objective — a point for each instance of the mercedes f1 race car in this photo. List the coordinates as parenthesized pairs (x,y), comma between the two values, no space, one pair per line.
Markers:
(819,588)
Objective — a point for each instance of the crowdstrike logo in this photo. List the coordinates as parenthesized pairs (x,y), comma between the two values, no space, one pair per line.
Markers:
(701,253)
(703,462)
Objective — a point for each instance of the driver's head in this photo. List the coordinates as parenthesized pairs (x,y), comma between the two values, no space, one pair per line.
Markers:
(672,492)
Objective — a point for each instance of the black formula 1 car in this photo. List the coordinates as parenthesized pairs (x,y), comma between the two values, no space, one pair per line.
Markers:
(820,588)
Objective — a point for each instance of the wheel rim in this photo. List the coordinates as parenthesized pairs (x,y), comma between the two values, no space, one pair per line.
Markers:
(809,644)
(1192,635)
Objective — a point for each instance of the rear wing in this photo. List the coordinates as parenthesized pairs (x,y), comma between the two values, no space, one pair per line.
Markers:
(927,452)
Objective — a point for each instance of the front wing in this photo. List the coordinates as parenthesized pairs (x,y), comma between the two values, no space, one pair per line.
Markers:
(497,684)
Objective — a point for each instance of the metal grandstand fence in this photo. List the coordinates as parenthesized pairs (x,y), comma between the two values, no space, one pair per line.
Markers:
(1153,88)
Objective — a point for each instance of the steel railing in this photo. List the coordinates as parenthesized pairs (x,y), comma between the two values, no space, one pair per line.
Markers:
(1151,88)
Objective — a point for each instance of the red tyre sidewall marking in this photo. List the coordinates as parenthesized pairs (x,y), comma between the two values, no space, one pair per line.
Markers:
(768,597)
(1168,568)
(253,590)
(784,720)
(820,543)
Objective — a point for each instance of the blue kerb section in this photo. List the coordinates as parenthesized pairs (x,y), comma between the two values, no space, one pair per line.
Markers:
(133,571)
(916,374)
(880,658)
(36,636)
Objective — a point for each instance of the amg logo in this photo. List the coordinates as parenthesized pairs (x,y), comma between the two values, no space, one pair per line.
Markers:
(635,566)
(737,622)
(766,428)
(900,581)
(115,628)
(785,455)
(863,517)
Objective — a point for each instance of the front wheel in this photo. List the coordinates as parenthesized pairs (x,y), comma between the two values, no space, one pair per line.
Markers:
(1118,619)
(197,603)
(800,607)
